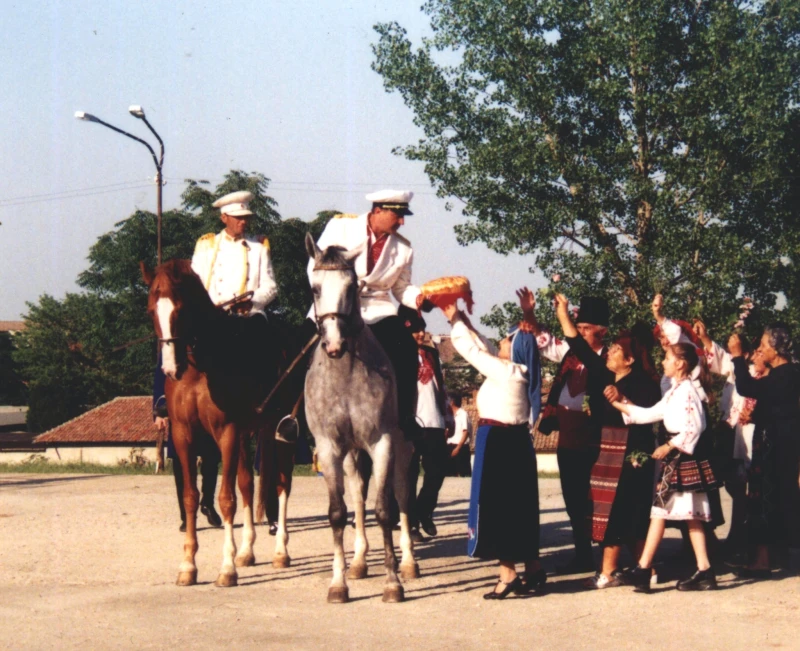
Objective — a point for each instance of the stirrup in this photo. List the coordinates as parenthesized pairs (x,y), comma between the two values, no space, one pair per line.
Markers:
(288,430)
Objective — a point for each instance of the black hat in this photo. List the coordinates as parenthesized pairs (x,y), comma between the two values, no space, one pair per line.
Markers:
(593,310)
(411,319)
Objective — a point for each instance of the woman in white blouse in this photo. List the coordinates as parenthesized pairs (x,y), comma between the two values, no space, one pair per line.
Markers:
(686,474)
(503,521)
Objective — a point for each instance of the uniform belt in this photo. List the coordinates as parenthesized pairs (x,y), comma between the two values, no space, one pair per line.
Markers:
(493,423)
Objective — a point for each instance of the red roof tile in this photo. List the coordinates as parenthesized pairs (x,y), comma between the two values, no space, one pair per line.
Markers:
(11,326)
(125,420)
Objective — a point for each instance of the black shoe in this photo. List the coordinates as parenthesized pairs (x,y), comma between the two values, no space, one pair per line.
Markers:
(750,573)
(515,585)
(704,580)
(638,577)
(416,536)
(213,517)
(427,526)
(273,529)
(182,528)
(576,566)
(533,583)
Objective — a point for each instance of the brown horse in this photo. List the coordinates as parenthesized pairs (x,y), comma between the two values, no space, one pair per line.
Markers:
(219,367)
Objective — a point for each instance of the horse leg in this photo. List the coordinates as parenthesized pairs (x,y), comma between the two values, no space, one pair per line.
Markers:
(382,464)
(358,568)
(331,462)
(285,458)
(187,572)
(409,569)
(244,475)
(229,447)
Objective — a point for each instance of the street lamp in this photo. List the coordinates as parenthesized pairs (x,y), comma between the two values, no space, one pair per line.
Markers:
(138,112)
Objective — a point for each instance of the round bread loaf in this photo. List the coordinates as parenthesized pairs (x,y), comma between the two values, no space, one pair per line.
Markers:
(446,290)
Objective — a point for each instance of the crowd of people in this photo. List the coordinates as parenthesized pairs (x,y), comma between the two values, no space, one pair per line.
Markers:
(622,482)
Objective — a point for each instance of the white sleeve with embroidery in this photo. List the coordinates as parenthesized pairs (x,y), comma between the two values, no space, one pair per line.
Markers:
(672,331)
(645,415)
(470,347)
(551,347)
(719,360)
(685,417)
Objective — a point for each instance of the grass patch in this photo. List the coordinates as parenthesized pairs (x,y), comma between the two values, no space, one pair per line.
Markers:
(40,467)
(47,468)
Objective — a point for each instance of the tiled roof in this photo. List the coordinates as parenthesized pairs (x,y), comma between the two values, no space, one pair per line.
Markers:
(125,420)
(11,326)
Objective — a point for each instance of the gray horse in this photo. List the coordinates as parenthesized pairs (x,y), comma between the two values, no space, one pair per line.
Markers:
(351,407)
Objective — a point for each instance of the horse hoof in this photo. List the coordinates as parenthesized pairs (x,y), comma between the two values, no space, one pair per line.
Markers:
(281,561)
(410,571)
(393,594)
(338,595)
(227,581)
(358,571)
(187,578)
(245,561)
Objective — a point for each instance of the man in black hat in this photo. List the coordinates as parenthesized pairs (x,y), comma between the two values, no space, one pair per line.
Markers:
(579,431)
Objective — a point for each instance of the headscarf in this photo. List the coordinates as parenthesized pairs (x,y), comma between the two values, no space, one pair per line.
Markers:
(525,351)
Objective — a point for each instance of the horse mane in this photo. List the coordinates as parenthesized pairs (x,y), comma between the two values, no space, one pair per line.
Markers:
(333,258)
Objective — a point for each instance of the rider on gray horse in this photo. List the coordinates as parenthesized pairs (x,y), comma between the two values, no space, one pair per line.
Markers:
(383,266)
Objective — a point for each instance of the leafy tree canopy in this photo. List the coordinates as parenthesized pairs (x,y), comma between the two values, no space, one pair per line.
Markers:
(633,148)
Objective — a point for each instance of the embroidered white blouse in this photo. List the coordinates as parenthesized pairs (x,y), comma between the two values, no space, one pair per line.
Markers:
(555,349)
(504,394)
(681,409)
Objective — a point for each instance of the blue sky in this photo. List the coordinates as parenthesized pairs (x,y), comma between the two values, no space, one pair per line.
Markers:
(283,88)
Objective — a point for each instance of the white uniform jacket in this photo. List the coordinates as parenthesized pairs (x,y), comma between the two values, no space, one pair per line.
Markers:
(392,272)
(229,267)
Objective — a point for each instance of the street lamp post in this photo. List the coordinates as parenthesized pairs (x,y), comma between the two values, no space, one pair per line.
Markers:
(138,112)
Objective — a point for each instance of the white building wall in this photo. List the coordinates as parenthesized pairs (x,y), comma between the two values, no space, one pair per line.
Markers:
(107,456)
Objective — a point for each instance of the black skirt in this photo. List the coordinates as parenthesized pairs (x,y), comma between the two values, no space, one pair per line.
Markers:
(504,502)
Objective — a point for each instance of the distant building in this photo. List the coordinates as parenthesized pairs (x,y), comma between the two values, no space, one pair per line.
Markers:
(105,434)
(12,327)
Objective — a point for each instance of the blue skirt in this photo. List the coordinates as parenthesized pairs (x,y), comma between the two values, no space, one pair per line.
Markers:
(503,522)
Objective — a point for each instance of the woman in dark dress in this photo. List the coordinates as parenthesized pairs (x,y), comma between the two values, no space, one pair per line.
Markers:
(774,482)
(621,494)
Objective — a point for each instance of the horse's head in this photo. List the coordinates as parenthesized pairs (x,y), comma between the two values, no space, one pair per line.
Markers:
(334,285)
(176,293)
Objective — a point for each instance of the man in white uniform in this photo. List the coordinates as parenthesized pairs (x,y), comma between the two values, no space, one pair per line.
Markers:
(230,264)
(384,265)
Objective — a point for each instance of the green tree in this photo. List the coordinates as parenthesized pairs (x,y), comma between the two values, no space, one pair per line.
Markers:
(633,148)
(12,388)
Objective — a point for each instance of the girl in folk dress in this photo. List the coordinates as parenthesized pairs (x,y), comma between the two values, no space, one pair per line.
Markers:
(686,474)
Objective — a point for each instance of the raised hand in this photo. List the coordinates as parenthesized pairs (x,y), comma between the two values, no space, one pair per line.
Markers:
(658,307)
(735,345)
(527,301)
(450,311)
(702,333)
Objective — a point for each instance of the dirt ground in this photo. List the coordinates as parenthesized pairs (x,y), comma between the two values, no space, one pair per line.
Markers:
(90,562)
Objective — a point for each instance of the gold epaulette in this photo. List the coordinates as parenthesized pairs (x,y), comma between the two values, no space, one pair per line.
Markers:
(345,215)
(402,239)
(206,238)
(265,243)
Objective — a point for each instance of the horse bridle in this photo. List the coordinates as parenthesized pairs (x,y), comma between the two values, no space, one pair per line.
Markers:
(347,319)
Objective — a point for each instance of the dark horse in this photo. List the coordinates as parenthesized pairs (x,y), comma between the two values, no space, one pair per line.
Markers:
(219,367)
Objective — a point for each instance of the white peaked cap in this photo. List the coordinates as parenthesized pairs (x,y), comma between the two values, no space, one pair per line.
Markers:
(390,196)
(235,204)
(396,200)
